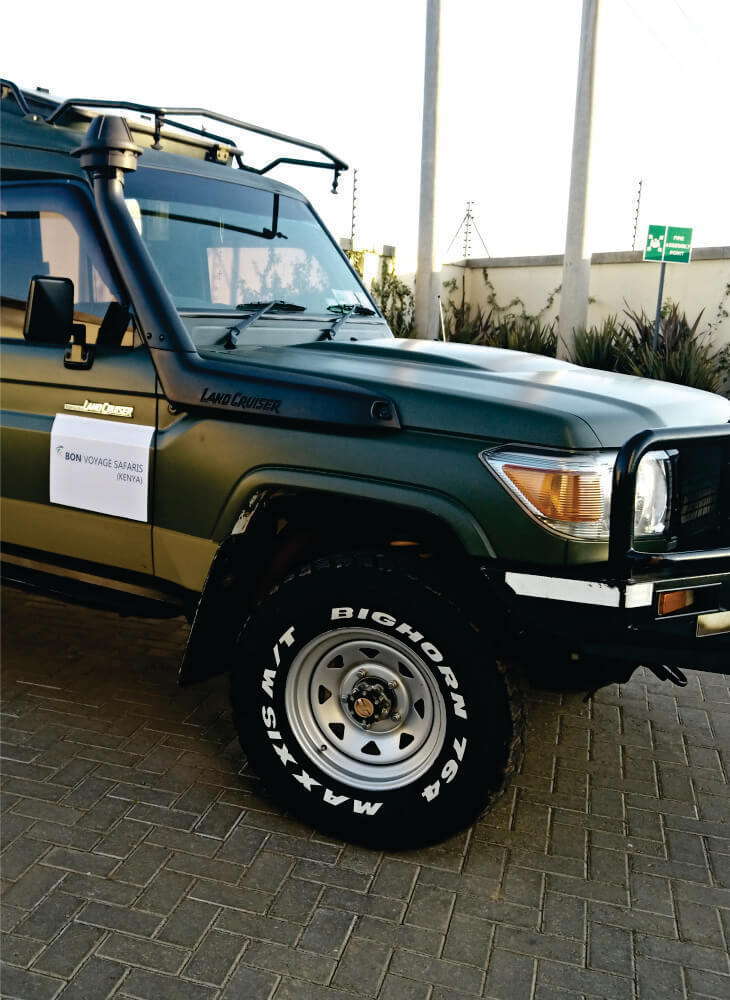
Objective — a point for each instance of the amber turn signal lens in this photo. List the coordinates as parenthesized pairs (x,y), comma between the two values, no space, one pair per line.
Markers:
(675,600)
(561,495)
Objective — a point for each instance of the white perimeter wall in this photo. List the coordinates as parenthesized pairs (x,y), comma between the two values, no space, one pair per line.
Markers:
(615,278)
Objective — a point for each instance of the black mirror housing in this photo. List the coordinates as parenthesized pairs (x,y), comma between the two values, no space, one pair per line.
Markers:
(49,314)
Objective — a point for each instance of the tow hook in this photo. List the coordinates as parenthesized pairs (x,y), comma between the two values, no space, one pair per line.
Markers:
(666,673)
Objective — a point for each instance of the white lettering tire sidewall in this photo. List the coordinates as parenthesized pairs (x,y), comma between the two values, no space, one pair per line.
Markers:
(457,783)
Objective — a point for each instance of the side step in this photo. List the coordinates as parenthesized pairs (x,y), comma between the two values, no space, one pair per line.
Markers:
(92,591)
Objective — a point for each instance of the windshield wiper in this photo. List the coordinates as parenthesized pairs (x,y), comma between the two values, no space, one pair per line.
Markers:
(259,308)
(345,313)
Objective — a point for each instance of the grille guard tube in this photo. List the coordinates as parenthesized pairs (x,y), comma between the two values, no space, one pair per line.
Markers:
(624,559)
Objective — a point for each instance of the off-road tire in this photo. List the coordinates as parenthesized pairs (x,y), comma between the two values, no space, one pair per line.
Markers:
(360,634)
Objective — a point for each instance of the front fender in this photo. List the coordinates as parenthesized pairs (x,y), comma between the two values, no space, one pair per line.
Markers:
(453,514)
(246,527)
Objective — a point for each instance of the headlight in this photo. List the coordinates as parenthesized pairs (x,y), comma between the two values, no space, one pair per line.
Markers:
(569,494)
(653,489)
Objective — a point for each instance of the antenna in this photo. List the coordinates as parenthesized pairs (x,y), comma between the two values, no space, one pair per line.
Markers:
(353,223)
(468,223)
(468,218)
(636,213)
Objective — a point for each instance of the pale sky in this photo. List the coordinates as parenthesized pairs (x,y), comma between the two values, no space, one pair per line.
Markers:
(350,76)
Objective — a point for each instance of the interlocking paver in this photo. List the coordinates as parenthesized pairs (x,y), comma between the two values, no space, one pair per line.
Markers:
(23,985)
(327,932)
(289,961)
(31,887)
(362,967)
(610,949)
(177,840)
(332,875)
(68,951)
(437,971)
(469,941)
(596,983)
(530,942)
(50,916)
(707,984)
(398,988)
(142,859)
(416,939)
(136,951)
(17,950)
(430,907)
(363,903)
(296,900)
(64,836)
(214,958)
(19,857)
(188,923)
(219,820)
(658,980)
(119,918)
(395,879)
(143,985)
(242,846)
(254,925)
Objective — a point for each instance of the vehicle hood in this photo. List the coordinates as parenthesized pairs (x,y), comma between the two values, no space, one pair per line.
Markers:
(495,394)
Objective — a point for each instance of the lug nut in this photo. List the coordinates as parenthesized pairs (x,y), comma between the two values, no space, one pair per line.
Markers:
(361,672)
(392,684)
(395,716)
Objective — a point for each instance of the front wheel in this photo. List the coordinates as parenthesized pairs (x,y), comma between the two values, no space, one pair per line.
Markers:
(371,706)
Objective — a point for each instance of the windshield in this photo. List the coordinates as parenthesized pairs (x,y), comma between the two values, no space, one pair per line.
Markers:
(219,245)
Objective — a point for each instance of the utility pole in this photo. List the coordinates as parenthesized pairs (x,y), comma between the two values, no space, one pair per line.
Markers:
(577,260)
(427,277)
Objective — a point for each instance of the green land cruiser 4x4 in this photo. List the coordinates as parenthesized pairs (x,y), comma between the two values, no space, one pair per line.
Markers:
(204,410)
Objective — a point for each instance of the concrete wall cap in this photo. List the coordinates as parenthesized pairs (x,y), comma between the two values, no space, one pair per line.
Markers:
(556,259)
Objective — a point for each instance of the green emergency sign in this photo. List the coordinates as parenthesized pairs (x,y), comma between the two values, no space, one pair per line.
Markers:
(671,244)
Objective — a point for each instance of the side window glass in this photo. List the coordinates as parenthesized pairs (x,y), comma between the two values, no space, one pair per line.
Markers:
(52,243)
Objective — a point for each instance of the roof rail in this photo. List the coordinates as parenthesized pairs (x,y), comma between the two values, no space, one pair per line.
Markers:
(161,116)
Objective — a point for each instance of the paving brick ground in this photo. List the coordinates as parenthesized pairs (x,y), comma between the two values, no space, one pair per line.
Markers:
(142,860)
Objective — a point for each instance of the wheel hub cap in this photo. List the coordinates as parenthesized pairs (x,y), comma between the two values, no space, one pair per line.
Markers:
(365,708)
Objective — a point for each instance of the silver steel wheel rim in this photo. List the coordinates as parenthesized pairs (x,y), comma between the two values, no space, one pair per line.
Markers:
(329,681)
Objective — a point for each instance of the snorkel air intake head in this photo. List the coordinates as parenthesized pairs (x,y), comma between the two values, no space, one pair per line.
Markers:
(108,149)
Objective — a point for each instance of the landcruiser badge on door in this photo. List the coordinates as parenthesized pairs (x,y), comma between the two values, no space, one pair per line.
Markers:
(109,409)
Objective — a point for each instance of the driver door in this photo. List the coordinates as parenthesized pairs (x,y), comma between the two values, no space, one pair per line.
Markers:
(67,473)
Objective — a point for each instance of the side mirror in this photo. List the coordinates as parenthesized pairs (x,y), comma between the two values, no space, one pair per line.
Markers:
(49,315)
(49,319)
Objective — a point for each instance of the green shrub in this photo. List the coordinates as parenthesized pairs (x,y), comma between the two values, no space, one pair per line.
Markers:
(396,302)
(683,354)
(606,347)
(500,326)
(523,333)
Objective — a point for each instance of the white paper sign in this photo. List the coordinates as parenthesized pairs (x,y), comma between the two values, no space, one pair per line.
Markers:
(100,465)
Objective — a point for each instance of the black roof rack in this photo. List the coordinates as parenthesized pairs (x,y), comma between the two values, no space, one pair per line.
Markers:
(17,93)
(162,116)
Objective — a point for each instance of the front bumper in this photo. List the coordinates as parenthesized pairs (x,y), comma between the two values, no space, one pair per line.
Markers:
(620,609)
(622,620)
